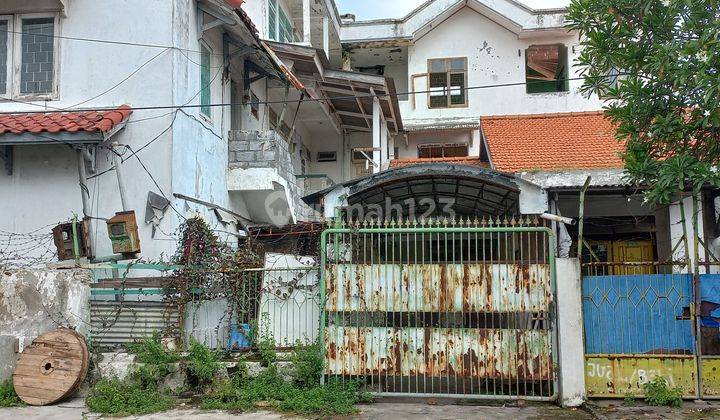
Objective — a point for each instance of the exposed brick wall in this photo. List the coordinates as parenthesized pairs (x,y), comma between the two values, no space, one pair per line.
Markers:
(266,149)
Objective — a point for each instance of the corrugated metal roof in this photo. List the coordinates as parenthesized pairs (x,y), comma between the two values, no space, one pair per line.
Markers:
(432,124)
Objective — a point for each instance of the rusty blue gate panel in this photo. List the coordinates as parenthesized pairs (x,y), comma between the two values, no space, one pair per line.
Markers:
(638,314)
(709,324)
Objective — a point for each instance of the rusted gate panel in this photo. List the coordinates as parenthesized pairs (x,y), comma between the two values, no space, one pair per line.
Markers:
(453,310)
(468,287)
(472,353)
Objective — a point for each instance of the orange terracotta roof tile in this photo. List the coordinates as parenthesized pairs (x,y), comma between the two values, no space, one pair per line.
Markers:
(581,140)
(467,160)
(70,121)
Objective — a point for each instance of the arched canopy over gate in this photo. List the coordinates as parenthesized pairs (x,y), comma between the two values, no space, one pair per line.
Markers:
(431,190)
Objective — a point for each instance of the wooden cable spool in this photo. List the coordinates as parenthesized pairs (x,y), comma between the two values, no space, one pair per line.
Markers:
(52,367)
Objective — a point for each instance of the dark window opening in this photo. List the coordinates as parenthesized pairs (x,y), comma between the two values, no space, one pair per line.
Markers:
(546,68)
(327,156)
(438,150)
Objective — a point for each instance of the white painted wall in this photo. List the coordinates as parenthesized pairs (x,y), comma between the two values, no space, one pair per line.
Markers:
(495,56)
(571,344)
(186,154)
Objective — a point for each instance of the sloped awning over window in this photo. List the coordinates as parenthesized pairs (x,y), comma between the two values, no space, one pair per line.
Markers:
(62,126)
(36,6)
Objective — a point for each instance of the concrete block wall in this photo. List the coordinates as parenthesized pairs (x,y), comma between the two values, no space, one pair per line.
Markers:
(267,149)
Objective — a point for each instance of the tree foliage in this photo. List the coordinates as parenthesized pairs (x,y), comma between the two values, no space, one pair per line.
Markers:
(655,63)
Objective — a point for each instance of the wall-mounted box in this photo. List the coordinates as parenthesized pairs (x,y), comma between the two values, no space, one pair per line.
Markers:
(63,236)
(123,232)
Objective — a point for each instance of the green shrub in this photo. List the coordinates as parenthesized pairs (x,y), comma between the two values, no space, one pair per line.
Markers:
(308,363)
(123,398)
(263,341)
(329,399)
(148,376)
(658,393)
(202,363)
(8,397)
(269,390)
(629,399)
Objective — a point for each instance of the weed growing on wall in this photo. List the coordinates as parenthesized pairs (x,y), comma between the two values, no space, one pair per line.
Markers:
(8,397)
(155,359)
(658,393)
(212,270)
(202,364)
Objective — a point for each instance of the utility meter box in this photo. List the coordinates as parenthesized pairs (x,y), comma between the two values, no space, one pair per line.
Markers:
(123,231)
(66,242)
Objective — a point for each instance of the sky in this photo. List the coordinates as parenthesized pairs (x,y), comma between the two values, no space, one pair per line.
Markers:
(385,9)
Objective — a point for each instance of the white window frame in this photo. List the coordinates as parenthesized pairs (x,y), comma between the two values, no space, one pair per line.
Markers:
(16,54)
(9,61)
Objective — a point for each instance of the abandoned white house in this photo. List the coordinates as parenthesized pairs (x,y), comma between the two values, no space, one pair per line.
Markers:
(271,118)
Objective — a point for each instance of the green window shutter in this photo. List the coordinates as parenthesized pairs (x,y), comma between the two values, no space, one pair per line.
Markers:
(205,96)
(272,19)
(286,29)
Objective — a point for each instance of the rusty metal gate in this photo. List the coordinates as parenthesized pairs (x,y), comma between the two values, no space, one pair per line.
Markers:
(462,309)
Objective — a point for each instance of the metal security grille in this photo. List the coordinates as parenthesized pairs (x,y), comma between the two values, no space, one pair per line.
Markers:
(462,309)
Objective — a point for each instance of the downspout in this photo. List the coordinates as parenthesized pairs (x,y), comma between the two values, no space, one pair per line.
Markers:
(82,175)
(581,214)
(118,171)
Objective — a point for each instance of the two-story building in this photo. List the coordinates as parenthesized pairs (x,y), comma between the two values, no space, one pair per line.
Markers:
(494,84)
(238,112)
(166,109)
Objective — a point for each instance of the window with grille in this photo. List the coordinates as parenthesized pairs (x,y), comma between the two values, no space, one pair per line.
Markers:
(28,55)
(447,79)
(546,68)
(286,30)
(440,150)
(326,156)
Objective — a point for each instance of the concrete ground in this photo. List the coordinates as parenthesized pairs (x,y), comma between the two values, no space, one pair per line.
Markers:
(76,409)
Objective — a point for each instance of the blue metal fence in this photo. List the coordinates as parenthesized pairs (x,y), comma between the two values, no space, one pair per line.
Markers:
(638,314)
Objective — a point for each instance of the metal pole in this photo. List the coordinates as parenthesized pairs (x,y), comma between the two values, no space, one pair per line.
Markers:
(118,170)
(696,292)
(82,175)
(683,221)
(581,217)
(76,243)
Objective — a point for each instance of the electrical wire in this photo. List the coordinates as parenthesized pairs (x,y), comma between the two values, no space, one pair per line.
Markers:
(107,41)
(306,99)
